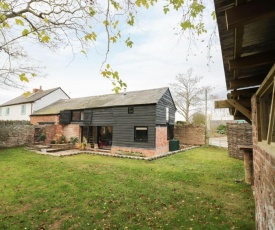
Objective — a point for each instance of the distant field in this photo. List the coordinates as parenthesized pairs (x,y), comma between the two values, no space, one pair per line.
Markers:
(196,189)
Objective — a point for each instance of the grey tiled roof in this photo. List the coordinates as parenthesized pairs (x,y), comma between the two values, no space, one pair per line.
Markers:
(142,97)
(33,97)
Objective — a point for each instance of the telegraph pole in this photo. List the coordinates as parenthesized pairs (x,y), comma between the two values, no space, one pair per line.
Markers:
(206,133)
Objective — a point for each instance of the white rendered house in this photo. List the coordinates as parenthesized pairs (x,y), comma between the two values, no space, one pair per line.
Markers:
(20,108)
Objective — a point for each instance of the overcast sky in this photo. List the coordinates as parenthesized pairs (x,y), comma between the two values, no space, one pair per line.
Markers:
(159,53)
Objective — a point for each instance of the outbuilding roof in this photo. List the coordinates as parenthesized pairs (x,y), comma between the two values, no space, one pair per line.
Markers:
(143,97)
(31,98)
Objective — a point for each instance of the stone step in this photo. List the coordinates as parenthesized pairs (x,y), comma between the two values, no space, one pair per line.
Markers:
(52,150)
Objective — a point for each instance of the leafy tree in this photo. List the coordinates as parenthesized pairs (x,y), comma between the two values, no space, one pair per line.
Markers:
(77,24)
(187,93)
(198,118)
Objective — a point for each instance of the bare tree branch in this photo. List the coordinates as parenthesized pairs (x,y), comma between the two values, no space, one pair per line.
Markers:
(187,93)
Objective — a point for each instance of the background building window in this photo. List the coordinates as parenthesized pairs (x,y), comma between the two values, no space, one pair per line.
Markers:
(7,111)
(0,111)
(141,134)
(23,109)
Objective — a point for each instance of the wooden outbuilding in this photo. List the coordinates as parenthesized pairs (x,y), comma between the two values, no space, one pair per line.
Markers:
(138,121)
(247,36)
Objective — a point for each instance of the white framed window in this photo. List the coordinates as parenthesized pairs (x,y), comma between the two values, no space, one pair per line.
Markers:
(0,111)
(23,109)
(7,111)
(167,114)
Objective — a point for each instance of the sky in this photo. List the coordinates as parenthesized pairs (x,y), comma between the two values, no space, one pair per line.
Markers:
(159,53)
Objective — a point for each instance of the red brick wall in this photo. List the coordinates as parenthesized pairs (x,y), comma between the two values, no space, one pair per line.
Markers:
(264,174)
(51,118)
(190,134)
(50,131)
(162,144)
(146,152)
(72,130)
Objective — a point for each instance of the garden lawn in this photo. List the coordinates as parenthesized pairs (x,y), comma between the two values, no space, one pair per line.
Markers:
(196,189)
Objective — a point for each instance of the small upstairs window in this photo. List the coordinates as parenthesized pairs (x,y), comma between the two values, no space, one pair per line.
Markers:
(130,110)
(76,116)
(167,115)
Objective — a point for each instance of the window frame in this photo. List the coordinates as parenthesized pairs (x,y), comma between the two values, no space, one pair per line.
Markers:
(7,112)
(136,128)
(23,109)
(265,109)
(80,115)
(167,114)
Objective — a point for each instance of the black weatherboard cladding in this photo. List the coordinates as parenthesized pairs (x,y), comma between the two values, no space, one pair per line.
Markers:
(165,101)
(124,123)
(103,117)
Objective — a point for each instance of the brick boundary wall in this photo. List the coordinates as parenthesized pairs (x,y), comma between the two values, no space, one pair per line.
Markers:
(15,133)
(238,134)
(190,134)
(264,178)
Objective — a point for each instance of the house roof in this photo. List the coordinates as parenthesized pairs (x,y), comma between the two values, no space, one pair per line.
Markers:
(247,36)
(31,98)
(143,97)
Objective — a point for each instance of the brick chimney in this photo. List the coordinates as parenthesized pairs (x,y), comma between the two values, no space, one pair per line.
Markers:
(36,90)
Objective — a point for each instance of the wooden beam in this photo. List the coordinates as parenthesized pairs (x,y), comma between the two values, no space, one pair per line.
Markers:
(258,119)
(238,47)
(252,60)
(223,105)
(243,92)
(270,133)
(246,82)
(267,83)
(263,110)
(250,12)
(238,106)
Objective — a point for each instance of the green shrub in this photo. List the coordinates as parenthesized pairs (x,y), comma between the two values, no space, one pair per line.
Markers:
(73,140)
(62,139)
(221,129)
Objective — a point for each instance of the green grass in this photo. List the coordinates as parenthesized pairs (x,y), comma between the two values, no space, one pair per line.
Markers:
(190,190)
